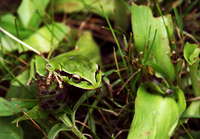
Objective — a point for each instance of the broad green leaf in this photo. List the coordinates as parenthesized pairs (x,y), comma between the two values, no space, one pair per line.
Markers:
(191,53)
(8,108)
(7,22)
(56,129)
(82,99)
(8,130)
(34,113)
(156,116)
(141,19)
(70,6)
(121,14)
(192,110)
(22,77)
(8,44)
(28,104)
(87,47)
(16,91)
(27,13)
(42,39)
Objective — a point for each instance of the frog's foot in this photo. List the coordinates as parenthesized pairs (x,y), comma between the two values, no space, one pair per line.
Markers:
(59,79)
(29,82)
(50,78)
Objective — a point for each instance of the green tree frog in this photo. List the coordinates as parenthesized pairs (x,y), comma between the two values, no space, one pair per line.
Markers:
(75,70)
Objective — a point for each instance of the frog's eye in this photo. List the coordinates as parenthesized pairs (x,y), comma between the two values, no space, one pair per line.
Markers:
(98,67)
(76,78)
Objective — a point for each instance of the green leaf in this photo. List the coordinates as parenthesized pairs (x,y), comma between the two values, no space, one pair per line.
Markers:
(156,116)
(8,44)
(16,91)
(82,99)
(42,39)
(191,111)
(28,16)
(34,113)
(87,47)
(69,6)
(56,129)
(23,78)
(8,130)
(191,53)
(8,23)
(142,18)
(8,108)
(28,104)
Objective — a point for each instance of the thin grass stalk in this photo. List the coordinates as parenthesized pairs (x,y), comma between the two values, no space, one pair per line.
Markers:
(73,128)
(16,78)
(113,33)
(167,30)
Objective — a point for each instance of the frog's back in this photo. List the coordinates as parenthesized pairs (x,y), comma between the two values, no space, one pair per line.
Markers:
(78,63)
(74,63)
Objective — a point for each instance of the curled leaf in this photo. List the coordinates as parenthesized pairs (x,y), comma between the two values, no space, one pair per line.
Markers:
(191,53)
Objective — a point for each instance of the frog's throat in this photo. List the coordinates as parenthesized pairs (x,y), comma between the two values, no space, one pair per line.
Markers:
(53,75)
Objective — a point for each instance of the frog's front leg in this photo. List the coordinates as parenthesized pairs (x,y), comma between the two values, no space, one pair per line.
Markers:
(37,69)
(54,75)
(32,72)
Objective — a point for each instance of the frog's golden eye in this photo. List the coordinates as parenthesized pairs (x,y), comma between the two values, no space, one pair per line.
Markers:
(76,78)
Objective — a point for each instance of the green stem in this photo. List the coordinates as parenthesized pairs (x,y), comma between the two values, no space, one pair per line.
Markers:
(73,128)
(194,79)
(178,79)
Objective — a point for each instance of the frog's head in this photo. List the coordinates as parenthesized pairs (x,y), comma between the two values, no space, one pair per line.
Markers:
(80,72)
(75,70)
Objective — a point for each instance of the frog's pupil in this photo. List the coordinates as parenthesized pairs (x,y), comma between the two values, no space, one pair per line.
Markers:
(75,79)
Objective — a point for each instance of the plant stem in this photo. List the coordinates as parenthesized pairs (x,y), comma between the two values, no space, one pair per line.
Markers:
(21,42)
(194,78)
(73,128)
(178,80)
